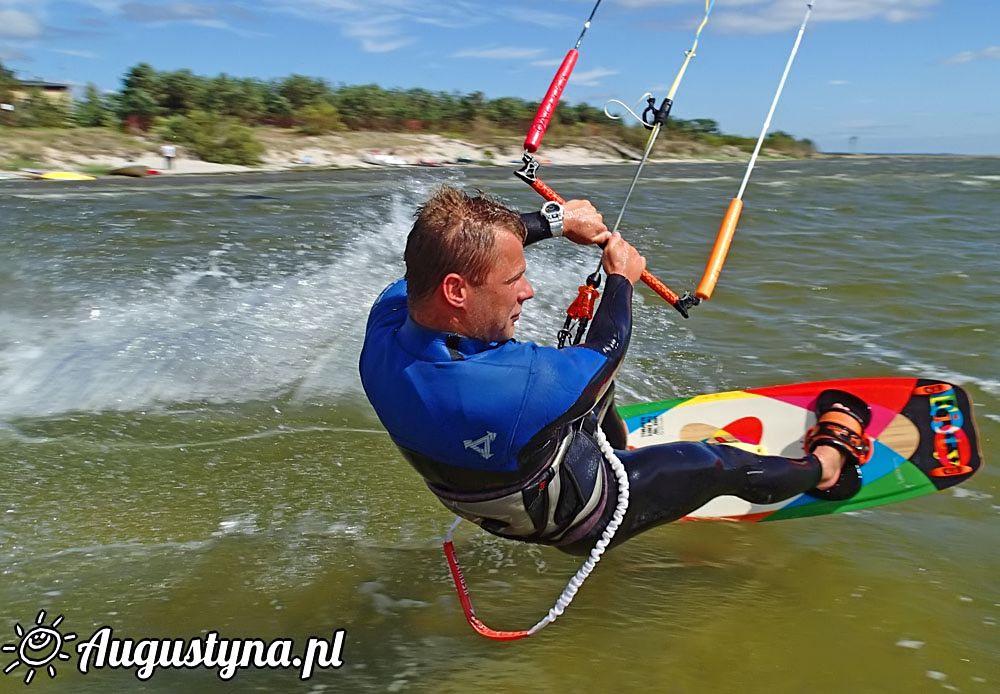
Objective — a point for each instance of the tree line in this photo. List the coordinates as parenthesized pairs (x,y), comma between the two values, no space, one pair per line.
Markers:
(202,111)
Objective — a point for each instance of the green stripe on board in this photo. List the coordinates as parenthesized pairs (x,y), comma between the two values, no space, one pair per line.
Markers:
(639,409)
(887,490)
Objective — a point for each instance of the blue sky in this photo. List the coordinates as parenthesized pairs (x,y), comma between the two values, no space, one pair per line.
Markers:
(899,75)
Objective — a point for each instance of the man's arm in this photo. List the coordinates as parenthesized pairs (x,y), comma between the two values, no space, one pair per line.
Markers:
(609,332)
(611,329)
(582,224)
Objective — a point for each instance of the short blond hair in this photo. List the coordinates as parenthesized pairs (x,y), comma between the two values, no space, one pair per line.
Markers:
(455,232)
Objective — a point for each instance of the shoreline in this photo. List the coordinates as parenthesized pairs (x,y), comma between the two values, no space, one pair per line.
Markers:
(430,151)
(74,151)
(287,152)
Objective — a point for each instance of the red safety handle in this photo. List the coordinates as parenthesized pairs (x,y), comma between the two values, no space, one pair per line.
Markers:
(547,108)
(466,600)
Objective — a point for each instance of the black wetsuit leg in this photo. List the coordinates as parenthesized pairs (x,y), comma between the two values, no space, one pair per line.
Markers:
(669,481)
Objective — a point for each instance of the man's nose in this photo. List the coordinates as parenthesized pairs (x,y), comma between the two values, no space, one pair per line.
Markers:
(527,291)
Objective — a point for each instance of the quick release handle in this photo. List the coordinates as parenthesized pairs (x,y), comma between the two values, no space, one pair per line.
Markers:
(547,108)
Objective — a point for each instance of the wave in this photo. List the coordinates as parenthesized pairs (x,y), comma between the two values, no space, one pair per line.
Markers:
(207,334)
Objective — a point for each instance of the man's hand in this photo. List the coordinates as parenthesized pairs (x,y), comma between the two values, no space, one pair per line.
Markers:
(621,258)
(583,224)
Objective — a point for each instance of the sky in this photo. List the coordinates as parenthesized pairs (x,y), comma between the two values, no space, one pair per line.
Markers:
(871,75)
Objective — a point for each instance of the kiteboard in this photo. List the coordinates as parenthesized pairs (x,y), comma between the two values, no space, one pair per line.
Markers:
(923,436)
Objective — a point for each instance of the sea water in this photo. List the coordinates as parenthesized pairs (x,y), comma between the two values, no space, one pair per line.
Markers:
(187,450)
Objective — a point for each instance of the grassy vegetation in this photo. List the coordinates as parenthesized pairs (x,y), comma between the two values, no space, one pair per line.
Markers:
(16,163)
(229,119)
(96,169)
(32,143)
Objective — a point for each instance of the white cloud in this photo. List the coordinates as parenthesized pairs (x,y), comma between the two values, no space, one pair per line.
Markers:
(165,12)
(75,53)
(379,35)
(652,3)
(539,17)
(838,83)
(766,16)
(991,53)
(380,26)
(16,24)
(501,53)
(591,78)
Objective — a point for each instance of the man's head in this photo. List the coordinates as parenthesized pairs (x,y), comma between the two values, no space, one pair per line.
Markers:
(465,266)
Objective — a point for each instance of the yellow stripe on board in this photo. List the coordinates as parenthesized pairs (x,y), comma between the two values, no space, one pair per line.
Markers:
(719,397)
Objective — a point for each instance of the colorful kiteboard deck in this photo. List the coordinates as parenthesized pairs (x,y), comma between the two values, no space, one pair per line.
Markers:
(923,436)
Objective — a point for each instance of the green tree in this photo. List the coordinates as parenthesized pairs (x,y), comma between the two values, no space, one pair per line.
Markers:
(39,111)
(591,114)
(278,110)
(318,119)
(786,144)
(366,107)
(93,110)
(180,91)
(7,83)
(566,115)
(471,106)
(139,101)
(509,111)
(300,91)
(704,126)
(211,137)
(231,96)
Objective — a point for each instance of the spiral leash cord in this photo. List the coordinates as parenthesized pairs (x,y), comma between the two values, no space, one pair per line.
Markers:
(569,592)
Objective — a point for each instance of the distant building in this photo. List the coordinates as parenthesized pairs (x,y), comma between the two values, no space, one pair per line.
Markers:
(53,90)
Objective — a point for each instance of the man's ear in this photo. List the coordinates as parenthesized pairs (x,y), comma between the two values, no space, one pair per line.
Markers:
(454,289)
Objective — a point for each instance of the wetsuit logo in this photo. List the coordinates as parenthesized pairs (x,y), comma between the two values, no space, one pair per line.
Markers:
(482,444)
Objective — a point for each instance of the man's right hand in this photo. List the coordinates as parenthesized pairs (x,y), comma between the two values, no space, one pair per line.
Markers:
(621,258)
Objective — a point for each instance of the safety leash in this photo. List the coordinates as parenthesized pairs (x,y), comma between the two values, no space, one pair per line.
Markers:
(569,592)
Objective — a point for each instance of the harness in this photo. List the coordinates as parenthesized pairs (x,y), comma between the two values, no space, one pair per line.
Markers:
(553,507)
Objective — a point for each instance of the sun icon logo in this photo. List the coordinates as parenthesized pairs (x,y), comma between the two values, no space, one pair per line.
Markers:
(40,645)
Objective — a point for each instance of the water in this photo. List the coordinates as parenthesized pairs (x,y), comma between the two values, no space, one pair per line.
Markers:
(186,446)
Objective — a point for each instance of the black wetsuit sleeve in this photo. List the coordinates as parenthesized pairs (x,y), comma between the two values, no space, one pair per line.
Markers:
(609,335)
(611,328)
(537,227)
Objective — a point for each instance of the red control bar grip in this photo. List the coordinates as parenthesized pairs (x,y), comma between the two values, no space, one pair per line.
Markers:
(547,108)
(650,280)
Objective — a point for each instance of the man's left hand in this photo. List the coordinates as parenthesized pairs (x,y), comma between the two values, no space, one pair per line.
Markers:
(583,224)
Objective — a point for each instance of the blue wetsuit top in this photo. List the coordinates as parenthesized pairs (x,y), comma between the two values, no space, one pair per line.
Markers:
(477,417)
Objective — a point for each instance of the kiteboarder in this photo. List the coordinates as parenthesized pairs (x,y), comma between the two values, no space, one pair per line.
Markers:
(505,432)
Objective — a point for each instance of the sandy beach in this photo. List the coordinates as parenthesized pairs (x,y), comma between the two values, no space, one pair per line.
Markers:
(286,151)
(349,150)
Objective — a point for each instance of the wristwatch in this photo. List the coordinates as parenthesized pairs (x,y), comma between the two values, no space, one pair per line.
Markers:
(553,213)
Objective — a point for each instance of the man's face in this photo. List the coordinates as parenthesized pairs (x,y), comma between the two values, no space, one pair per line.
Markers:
(495,305)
